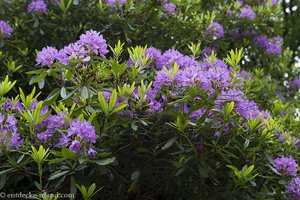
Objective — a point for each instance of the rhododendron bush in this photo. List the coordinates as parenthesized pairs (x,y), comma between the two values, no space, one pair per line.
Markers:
(124,99)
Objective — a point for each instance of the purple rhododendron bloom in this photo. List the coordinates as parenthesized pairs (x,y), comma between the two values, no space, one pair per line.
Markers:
(295,83)
(113,3)
(47,56)
(5,29)
(173,56)
(247,13)
(91,152)
(215,30)
(207,51)
(274,46)
(75,146)
(16,107)
(170,7)
(37,6)
(286,165)
(73,50)
(153,53)
(9,131)
(293,188)
(84,130)
(273,2)
(95,42)
(261,41)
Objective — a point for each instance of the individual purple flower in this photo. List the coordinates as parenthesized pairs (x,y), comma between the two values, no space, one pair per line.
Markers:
(114,3)
(261,41)
(64,140)
(5,29)
(75,146)
(47,56)
(37,6)
(91,152)
(94,42)
(293,188)
(170,7)
(247,13)
(295,83)
(215,30)
(286,165)
(84,130)
(274,46)
(217,134)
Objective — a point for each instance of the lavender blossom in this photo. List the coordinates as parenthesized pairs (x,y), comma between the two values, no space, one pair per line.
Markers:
(274,46)
(170,7)
(95,42)
(84,130)
(5,29)
(75,146)
(215,30)
(91,152)
(261,41)
(73,50)
(9,132)
(37,6)
(295,83)
(247,13)
(47,56)
(293,188)
(114,3)
(286,165)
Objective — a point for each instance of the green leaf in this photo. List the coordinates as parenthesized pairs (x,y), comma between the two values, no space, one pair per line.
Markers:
(112,100)
(57,175)
(248,171)
(84,92)
(169,143)
(68,154)
(105,161)
(63,93)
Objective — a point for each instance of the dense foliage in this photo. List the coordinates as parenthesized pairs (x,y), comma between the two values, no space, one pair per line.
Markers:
(148,99)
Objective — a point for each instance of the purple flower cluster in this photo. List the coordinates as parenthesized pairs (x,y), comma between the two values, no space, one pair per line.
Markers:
(113,3)
(53,123)
(79,135)
(286,165)
(211,77)
(247,13)
(92,42)
(295,83)
(47,56)
(9,132)
(5,29)
(170,7)
(215,30)
(37,6)
(273,2)
(272,47)
(16,106)
(293,188)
